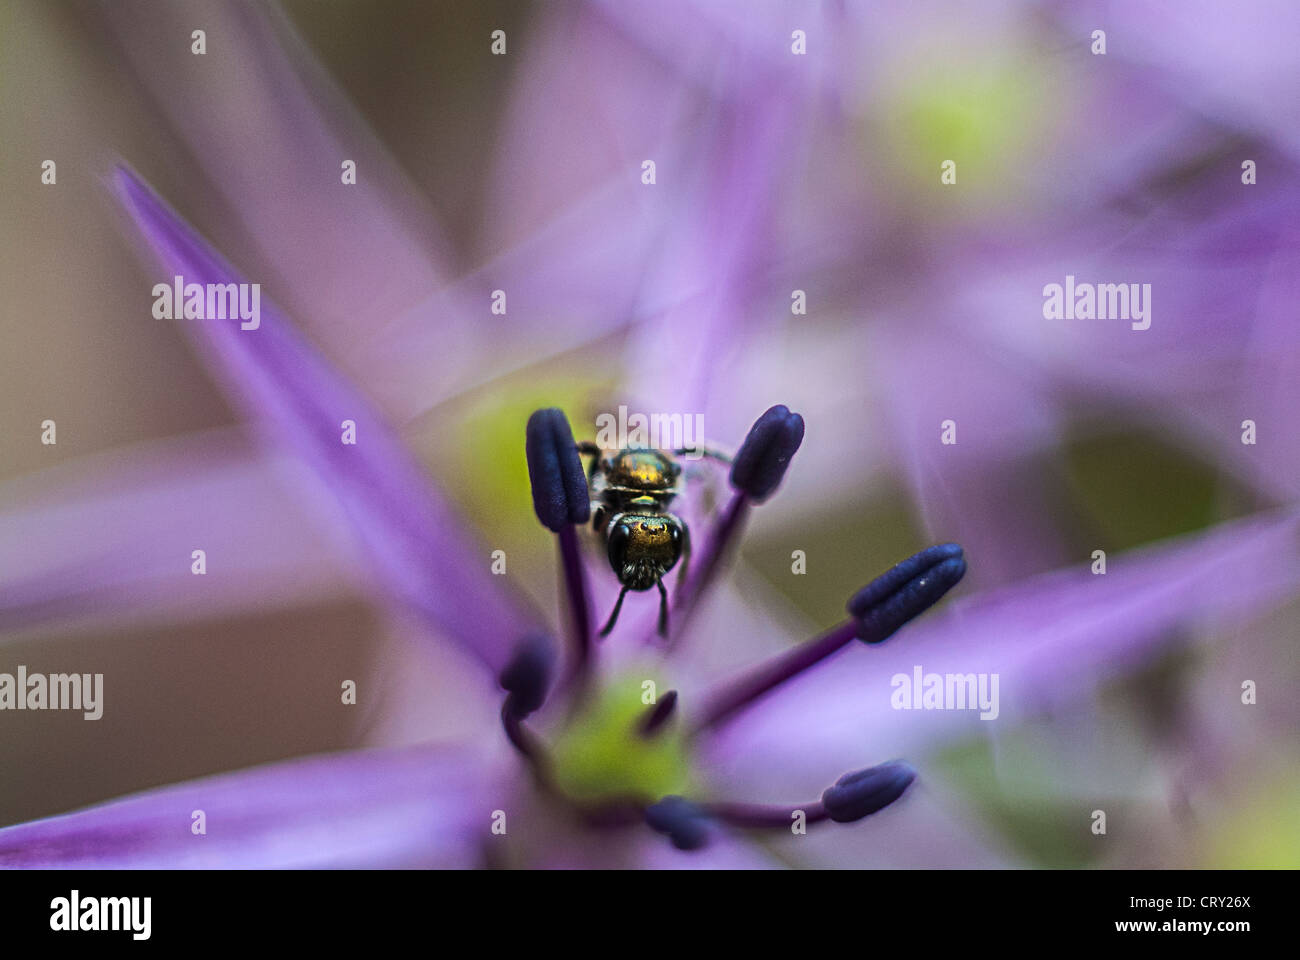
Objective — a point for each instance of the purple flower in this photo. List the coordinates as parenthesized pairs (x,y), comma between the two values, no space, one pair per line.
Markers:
(285,384)
(920,309)
(355,809)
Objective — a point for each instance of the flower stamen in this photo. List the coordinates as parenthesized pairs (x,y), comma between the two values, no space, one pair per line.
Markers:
(862,793)
(683,822)
(526,680)
(853,796)
(756,472)
(609,761)
(759,816)
(774,672)
(575,585)
(909,588)
(878,611)
(561,500)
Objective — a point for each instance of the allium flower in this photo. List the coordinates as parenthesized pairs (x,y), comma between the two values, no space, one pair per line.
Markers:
(608,761)
(611,757)
(777,172)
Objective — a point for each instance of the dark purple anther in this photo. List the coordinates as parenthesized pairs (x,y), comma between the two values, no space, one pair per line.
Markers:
(528,675)
(764,456)
(910,588)
(561,500)
(856,795)
(681,821)
(878,610)
(555,471)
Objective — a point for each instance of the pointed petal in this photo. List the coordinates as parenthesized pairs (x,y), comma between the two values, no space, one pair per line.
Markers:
(111,537)
(361,809)
(412,536)
(271,129)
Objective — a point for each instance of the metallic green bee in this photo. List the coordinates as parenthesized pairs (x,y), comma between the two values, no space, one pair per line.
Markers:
(632,490)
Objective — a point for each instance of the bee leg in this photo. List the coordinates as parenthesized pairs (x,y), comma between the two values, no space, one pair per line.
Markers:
(588,449)
(609,624)
(663,607)
(704,452)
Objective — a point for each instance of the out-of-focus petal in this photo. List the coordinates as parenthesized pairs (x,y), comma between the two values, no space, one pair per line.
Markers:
(1234,62)
(415,807)
(974,491)
(573,141)
(716,252)
(1220,259)
(1222,347)
(1047,639)
(111,537)
(759,33)
(368,256)
(571,231)
(413,537)
(678,259)
(271,129)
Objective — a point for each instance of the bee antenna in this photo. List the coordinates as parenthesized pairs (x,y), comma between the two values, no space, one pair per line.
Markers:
(663,607)
(609,624)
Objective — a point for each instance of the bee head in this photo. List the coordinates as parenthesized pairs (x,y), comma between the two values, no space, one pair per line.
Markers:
(643,548)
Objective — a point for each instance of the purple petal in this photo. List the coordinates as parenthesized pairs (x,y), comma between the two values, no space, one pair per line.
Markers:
(570,231)
(412,537)
(716,252)
(758,32)
(1222,347)
(678,257)
(1234,61)
(271,130)
(974,491)
(414,807)
(111,536)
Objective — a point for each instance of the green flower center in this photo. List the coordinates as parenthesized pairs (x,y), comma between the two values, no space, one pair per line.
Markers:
(601,755)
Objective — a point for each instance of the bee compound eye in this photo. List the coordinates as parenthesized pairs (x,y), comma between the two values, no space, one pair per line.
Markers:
(618,540)
(677,536)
